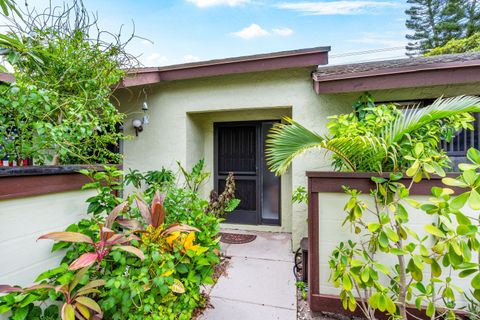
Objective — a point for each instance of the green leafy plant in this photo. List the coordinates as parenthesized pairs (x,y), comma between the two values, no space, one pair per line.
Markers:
(384,228)
(379,141)
(108,184)
(300,195)
(302,286)
(195,177)
(63,86)
(155,275)
(77,304)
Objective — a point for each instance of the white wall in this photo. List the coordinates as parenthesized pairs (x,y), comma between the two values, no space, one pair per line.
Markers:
(23,220)
(331,233)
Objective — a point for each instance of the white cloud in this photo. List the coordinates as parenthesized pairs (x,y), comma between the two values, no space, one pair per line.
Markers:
(212,3)
(154,60)
(347,7)
(251,32)
(284,32)
(190,58)
(255,31)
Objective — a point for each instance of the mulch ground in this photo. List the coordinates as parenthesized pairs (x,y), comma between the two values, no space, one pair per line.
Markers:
(220,270)
(304,312)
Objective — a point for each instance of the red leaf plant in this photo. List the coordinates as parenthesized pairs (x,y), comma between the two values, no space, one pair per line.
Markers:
(155,218)
(77,305)
(108,241)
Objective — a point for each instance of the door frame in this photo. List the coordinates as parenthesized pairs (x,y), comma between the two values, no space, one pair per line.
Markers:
(261,166)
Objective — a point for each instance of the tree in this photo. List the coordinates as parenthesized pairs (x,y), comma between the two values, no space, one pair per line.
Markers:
(423,17)
(450,24)
(472,13)
(469,44)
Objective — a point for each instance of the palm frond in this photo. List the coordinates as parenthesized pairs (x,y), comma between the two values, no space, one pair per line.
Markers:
(417,117)
(287,141)
(358,153)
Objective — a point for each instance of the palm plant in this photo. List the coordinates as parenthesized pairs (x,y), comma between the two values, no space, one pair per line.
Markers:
(369,151)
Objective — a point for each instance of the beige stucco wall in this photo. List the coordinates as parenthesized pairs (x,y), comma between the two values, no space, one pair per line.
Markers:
(182,115)
(23,220)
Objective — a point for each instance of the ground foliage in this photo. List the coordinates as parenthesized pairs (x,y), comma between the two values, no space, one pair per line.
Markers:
(146,257)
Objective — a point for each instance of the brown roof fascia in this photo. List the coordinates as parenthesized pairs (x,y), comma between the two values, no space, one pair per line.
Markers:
(255,63)
(403,77)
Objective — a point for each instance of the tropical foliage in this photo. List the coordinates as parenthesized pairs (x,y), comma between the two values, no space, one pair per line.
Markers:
(376,139)
(145,259)
(426,260)
(61,96)
(469,44)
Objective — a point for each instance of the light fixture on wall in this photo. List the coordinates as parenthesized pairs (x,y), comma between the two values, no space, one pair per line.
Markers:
(138,124)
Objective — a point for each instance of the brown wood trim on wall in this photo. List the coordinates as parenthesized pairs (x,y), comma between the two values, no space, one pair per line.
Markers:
(19,182)
(396,80)
(332,182)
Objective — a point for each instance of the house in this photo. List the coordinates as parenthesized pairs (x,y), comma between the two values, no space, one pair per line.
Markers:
(221,111)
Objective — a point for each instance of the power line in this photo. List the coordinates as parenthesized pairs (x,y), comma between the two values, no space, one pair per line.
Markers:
(357,53)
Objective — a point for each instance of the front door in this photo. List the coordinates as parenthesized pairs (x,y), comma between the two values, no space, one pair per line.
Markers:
(240,148)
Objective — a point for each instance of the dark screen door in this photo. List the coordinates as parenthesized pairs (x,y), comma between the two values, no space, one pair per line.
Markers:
(239,148)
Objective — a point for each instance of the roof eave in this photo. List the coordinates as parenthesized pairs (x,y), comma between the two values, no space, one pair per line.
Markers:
(266,62)
(461,72)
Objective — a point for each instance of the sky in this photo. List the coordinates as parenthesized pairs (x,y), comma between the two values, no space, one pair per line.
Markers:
(180,31)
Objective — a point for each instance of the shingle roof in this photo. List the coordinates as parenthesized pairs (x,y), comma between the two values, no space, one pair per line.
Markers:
(387,66)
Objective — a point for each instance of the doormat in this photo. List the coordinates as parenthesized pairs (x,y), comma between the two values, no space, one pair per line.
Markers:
(237,238)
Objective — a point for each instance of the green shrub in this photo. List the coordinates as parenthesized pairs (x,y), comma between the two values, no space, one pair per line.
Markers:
(152,260)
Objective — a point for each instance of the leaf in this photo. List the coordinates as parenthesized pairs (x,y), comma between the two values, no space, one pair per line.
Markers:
(347,282)
(144,211)
(136,251)
(78,277)
(83,310)
(392,235)
(476,282)
(474,200)
(90,303)
(67,237)
(68,313)
(180,228)
(114,214)
(91,285)
(436,269)
(435,231)
(158,211)
(430,309)
(131,224)
(454,182)
(177,286)
(374,226)
(473,155)
(5,288)
(459,201)
(85,260)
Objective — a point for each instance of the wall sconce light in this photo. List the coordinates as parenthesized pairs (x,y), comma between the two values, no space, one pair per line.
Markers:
(139,123)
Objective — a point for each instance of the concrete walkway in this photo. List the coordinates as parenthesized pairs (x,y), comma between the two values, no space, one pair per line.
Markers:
(259,282)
